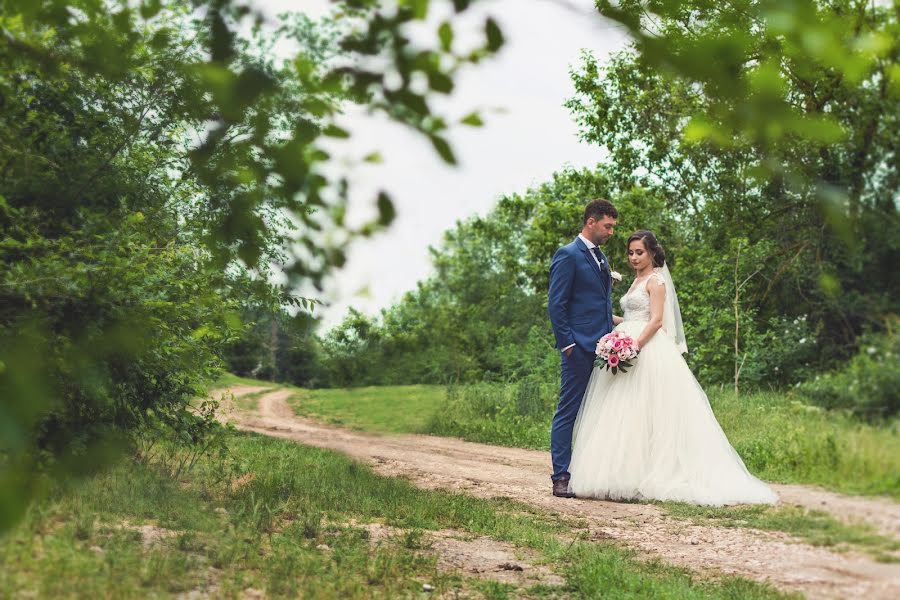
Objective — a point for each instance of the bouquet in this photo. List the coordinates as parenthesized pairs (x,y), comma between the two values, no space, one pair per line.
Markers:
(615,351)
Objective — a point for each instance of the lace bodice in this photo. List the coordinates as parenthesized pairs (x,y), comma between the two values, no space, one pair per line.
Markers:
(636,302)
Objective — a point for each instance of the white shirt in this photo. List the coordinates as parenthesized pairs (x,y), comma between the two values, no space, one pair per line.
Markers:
(591,245)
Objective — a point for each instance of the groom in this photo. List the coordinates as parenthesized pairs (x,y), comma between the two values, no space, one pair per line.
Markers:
(580,307)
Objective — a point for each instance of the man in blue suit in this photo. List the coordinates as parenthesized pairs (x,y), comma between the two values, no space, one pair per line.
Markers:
(580,307)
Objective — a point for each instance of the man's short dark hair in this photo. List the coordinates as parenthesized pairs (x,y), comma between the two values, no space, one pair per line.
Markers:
(600,208)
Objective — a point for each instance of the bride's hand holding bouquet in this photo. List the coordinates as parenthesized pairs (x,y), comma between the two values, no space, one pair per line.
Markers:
(616,351)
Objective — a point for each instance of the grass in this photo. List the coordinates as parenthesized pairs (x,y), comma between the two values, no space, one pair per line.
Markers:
(77,547)
(388,409)
(250,401)
(784,440)
(814,527)
(266,525)
(229,379)
(516,415)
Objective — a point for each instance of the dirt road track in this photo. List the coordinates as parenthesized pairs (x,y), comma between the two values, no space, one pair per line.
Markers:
(490,471)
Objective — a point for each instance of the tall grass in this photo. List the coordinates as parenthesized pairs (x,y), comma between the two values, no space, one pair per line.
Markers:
(516,415)
(783,439)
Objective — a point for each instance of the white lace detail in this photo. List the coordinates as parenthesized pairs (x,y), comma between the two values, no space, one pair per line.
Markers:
(636,302)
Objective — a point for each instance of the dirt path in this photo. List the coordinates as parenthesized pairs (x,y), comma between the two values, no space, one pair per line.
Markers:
(490,471)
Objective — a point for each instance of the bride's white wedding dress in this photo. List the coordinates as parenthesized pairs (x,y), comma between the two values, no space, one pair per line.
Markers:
(650,433)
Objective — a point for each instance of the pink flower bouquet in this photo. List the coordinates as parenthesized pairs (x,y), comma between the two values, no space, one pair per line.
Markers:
(615,351)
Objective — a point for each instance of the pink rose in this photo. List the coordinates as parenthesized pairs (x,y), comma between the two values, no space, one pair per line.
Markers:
(613,360)
(618,345)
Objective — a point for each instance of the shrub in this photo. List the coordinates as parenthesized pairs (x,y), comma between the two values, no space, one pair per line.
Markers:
(868,384)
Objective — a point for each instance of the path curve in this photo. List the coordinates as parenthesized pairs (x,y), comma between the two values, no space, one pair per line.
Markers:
(489,471)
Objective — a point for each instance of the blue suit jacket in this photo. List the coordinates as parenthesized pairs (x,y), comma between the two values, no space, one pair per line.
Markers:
(579,299)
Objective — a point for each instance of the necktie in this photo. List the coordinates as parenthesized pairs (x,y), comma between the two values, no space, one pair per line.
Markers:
(599,255)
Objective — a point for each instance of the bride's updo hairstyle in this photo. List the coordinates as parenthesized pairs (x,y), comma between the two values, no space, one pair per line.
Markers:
(651,244)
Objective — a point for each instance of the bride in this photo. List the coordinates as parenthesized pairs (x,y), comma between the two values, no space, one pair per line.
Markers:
(650,433)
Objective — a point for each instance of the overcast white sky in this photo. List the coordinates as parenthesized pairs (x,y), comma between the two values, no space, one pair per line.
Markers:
(533,136)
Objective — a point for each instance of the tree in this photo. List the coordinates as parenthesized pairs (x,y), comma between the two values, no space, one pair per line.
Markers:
(149,152)
(749,129)
(482,315)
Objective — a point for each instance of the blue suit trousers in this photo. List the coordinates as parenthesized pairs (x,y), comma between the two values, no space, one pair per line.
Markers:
(574,377)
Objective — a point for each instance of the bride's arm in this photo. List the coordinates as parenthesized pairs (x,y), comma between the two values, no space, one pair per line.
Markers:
(617,320)
(657,291)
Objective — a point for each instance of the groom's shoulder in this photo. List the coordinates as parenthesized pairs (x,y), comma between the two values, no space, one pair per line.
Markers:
(569,248)
(564,255)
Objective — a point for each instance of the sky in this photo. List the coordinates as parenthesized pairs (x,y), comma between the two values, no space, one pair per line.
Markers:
(527,136)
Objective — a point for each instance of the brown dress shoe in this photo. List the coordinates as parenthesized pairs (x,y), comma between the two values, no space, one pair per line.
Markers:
(561,488)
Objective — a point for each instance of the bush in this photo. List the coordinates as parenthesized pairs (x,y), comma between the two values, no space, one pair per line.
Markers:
(533,358)
(868,384)
(781,354)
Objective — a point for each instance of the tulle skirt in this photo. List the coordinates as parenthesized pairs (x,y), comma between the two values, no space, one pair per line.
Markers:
(651,434)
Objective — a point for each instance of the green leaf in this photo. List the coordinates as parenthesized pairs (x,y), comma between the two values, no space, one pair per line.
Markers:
(699,129)
(318,155)
(200,332)
(440,82)
(767,80)
(336,132)
(472,119)
(818,128)
(443,149)
(386,211)
(150,8)
(494,35)
(419,8)
(233,320)
(893,73)
(445,34)
(829,284)
(161,39)
(305,66)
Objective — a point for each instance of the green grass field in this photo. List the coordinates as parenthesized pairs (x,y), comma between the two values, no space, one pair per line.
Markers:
(287,521)
(394,409)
